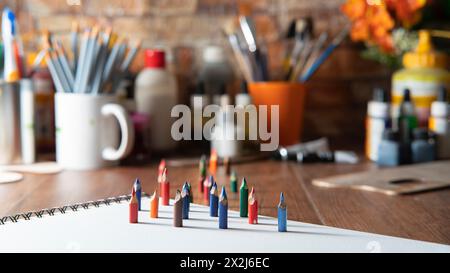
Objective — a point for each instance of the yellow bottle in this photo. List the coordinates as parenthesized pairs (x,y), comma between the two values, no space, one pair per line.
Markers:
(424,75)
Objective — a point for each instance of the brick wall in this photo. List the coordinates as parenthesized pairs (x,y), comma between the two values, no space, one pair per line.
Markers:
(338,92)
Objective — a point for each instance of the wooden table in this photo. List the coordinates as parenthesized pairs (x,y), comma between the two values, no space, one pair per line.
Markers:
(423,216)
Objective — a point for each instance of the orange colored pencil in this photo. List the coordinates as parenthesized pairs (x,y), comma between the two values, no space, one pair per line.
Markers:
(154,202)
(213,162)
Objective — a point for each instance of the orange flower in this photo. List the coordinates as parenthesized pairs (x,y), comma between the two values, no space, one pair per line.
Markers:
(360,30)
(407,11)
(354,9)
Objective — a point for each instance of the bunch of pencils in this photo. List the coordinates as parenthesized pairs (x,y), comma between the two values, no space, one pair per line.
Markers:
(303,59)
(99,60)
(246,49)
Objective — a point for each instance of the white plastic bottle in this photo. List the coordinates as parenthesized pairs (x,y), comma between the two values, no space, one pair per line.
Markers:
(155,95)
(439,123)
(377,121)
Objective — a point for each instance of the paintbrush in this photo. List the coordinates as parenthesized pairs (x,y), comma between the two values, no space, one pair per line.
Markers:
(229,31)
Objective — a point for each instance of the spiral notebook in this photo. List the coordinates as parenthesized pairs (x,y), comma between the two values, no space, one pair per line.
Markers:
(102,226)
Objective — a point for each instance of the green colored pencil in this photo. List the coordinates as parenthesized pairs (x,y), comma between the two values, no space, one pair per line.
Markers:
(243,199)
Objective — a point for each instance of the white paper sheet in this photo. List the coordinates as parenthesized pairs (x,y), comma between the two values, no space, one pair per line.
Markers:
(106,229)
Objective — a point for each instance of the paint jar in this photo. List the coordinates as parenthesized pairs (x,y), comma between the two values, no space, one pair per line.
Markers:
(440,124)
(389,151)
(290,97)
(423,75)
(423,146)
(377,120)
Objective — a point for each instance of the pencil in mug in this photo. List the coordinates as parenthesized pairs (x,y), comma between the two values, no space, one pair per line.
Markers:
(324,55)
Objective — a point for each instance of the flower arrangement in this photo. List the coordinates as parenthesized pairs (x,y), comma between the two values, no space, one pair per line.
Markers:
(385,26)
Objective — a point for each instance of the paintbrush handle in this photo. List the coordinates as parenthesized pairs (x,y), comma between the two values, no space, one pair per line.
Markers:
(317,63)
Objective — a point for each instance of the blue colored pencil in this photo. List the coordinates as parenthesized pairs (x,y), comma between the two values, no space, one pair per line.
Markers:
(138,189)
(223,210)
(282,215)
(186,200)
(324,55)
(213,200)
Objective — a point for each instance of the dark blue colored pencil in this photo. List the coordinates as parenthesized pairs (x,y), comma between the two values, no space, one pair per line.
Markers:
(138,189)
(223,210)
(282,215)
(186,200)
(213,200)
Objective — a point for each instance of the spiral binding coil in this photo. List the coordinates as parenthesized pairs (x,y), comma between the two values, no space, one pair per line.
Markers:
(64,209)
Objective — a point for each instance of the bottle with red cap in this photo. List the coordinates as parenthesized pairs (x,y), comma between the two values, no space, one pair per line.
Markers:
(155,95)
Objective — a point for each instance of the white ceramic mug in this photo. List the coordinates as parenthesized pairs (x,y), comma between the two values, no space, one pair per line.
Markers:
(87,132)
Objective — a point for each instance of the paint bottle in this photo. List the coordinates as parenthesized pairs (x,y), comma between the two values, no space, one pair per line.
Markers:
(439,124)
(389,151)
(377,120)
(423,147)
(215,72)
(406,123)
(225,134)
(424,73)
(156,95)
(199,100)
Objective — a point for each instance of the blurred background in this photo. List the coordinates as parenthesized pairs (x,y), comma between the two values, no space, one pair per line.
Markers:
(337,94)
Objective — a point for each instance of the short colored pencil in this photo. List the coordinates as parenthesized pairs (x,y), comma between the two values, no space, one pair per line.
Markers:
(233,182)
(154,203)
(213,201)
(213,162)
(243,199)
(178,210)
(282,215)
(165,188)
(133,208)
(202,172)
(138,189)
(223,210)
(207,187)
(191,195)
(161,167)
(186,200)
(252,208)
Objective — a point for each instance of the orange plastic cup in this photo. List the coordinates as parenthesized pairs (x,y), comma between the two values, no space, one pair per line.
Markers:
(291,100)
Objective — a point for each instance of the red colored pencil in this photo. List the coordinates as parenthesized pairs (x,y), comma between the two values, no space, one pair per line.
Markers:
(133,207)
(165,188)
(206,188)
(252,208)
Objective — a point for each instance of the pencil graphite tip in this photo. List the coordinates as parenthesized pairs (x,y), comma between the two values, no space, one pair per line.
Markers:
(178,196)
(244,184)
(214,189)
(162,165)
(282,203)
(185,186)
(252,194)
(233,176)
(164,176)
(137,184)
(223,193)
(153,195)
